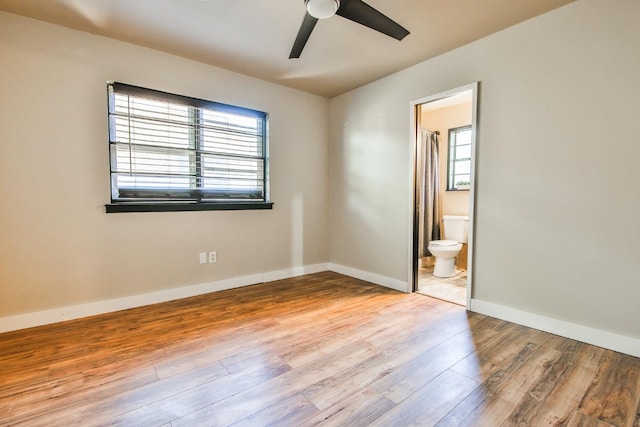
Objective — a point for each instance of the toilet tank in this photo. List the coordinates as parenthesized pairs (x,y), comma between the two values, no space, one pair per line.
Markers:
(456,227)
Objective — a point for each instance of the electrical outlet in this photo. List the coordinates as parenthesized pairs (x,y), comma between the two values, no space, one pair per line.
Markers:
(212,257)
(203,257)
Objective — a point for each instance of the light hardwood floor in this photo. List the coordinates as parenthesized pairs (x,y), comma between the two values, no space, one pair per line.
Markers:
(322,349)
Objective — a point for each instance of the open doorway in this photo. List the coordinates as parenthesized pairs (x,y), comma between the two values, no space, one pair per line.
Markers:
(444,165)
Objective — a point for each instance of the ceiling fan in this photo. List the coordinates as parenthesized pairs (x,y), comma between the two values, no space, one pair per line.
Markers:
(354,10)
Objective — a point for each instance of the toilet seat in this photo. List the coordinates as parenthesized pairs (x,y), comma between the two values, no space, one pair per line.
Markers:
(443,243)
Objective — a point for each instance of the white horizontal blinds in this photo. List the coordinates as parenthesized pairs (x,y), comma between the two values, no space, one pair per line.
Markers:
(152,147)
(232,153)
(170,148)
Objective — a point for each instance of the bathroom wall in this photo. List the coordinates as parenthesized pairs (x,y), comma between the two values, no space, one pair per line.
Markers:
(59,248)
(443,119)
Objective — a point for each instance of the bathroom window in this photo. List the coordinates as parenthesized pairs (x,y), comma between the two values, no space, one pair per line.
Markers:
(171,152)
(459,168)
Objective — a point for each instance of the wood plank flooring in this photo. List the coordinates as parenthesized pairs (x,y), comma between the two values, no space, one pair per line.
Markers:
(322,349)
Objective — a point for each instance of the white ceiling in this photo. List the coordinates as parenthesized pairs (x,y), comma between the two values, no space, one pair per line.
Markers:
(254,37)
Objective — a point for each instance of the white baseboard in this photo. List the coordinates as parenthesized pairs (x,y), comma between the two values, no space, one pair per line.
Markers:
(294,272)
(598,337)
(388,282)
(45,317)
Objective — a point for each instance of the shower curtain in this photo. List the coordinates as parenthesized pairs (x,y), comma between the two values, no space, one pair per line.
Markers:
(430,202)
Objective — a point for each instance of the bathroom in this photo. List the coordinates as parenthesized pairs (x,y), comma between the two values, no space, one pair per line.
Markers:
(443,178)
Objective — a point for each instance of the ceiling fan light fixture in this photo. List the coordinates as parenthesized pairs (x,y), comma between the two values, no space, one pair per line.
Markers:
(322,9)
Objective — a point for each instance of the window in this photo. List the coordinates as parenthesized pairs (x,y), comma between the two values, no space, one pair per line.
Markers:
(171,152)
(459,170)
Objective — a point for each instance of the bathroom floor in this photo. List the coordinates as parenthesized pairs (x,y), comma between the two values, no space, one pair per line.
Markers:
(452,289)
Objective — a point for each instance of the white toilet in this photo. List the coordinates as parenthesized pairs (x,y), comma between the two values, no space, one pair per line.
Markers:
(456,231)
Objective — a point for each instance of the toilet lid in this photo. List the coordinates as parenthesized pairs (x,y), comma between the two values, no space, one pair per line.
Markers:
(444,242)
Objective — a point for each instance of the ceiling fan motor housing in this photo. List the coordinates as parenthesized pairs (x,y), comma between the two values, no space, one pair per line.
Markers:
(322,9)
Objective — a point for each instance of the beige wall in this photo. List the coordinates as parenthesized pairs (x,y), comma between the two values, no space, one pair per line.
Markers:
(57,245)
(443,119)
(557,202)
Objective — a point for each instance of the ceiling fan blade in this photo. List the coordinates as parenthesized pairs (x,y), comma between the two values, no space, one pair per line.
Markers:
(360,12)
(306,28)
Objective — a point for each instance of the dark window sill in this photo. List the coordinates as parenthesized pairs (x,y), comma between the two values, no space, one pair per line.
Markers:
(179,207)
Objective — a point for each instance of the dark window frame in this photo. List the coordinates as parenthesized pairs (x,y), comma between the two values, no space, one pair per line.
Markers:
(196,196)
(452,157)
